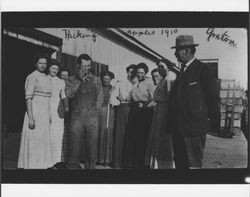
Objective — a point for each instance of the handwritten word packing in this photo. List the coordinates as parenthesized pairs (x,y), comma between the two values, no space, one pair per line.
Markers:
(222,37)
(69,35)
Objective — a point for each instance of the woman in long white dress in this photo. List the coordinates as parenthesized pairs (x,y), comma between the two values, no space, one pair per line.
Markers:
(57,120)
(35,148)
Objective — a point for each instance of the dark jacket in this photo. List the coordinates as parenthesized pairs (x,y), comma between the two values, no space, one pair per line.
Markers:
(194,100)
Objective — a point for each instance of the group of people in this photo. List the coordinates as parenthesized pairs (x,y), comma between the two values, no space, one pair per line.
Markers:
(138,123)
(40,148)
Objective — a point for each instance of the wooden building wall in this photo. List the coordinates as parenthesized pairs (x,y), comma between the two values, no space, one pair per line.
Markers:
(102,50)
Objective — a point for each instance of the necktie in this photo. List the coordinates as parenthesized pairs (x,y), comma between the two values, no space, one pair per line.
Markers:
(183,66)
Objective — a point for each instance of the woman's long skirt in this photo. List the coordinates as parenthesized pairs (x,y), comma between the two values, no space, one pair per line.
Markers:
(57,131)
(160,145)
(65,138)
(36,148)
(121,122)
(105,145)
(136,137)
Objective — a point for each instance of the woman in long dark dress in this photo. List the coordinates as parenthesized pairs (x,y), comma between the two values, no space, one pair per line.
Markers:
(159,147)
(140,118)
(121,97)
(106,122)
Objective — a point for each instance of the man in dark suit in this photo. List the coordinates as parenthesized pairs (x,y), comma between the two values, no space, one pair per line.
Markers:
(193,103)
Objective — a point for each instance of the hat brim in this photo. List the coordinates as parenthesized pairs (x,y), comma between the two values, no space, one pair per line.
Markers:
(184,46)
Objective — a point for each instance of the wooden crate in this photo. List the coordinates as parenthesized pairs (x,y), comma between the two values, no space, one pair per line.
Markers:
(231,95)
(236,116)
(237,101)
(236,130)
(237,93)
(231,82)
(237,108)
(236,123)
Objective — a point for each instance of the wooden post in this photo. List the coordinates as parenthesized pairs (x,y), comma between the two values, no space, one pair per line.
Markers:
(226,113)
(228,117)
(232,114)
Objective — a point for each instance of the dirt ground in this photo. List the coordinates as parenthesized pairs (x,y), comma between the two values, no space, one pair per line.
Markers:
(219,152)
(226,153)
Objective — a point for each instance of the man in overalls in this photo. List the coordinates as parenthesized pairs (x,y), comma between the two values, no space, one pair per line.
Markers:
(85,89)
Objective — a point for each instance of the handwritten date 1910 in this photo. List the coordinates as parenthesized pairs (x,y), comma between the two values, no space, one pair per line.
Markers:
(168,32)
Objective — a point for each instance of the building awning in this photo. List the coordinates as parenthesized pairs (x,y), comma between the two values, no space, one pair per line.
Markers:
(35,36)
(122,38)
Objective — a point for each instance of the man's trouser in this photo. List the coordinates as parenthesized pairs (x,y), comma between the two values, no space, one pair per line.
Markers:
(188,151)
(83,136)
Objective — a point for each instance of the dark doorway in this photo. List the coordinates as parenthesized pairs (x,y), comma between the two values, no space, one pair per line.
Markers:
(212,65)
(17,64)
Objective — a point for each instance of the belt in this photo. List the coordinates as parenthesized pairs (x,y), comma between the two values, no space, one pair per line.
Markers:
(125,102)
(44,94)
(138,103)
(86,91)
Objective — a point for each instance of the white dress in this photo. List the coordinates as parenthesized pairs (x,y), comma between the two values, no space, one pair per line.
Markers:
(35,148)
(57,123)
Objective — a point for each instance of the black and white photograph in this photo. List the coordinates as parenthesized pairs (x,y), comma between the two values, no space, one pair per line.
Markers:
(117,99)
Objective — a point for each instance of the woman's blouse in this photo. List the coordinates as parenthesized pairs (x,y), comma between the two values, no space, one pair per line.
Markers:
(161,93)
(122,92)
(143,90)
(58,88)
(37,84)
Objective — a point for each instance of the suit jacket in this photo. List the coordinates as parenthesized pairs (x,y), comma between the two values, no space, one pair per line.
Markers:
(194,100)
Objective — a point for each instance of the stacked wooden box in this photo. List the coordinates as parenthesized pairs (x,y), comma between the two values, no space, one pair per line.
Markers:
(231,105)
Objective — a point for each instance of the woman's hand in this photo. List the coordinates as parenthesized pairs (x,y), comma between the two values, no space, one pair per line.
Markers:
(83,74)
(31,123)
(61,110)
(66,109)
(152,104)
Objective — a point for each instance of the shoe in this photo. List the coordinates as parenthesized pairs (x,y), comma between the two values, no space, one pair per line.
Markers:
(60,166)
(74,166)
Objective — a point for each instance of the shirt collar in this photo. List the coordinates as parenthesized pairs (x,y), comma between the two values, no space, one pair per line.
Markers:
(55,77)
(141,80)
(90,76)
(40,73)
(190,62)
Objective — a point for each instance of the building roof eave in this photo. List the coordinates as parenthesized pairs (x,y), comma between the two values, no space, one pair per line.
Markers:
(124,41)
(37,35)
